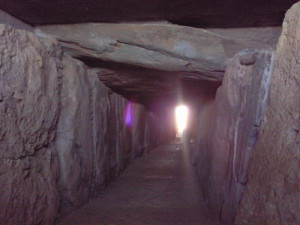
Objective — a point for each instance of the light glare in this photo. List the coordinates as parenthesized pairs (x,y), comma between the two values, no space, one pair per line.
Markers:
(129,115)
(181,114)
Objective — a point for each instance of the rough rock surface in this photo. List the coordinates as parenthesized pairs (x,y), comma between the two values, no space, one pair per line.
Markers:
(74,140)
(273,191)
(29,109)
(227,131)
(62,132)
(158,46)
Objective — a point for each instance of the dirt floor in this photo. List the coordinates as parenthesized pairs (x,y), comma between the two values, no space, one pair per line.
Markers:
(159,188)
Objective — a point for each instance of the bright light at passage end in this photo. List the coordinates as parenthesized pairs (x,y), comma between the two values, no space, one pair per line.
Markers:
(181,114)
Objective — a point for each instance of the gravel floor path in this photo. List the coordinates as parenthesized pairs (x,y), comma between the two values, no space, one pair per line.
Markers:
(159,188)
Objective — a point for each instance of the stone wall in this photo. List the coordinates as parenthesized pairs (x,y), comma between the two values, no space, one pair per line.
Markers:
(30,78)
(228,130)
(273,190)
(93,142)
(62,132)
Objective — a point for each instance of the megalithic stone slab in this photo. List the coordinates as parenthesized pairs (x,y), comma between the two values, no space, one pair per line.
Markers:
(160,46)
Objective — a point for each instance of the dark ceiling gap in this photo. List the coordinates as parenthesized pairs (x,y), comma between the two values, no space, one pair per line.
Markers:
(200,13)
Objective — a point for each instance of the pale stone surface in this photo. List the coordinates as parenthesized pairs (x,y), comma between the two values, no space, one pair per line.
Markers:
(273,192)
(264,35)
(158,46)
(227,131)
(74,138)
(29,108)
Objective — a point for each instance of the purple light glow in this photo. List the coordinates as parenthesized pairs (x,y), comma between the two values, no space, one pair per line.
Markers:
(129,115)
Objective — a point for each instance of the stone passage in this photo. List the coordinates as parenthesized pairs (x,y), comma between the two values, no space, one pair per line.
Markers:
(158,189)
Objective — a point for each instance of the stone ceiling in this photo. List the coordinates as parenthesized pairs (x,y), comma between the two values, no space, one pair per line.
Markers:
(195,13)
(150,61)
(154,49)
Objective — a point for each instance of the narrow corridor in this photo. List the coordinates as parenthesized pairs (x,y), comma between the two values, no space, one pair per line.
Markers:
(159,188)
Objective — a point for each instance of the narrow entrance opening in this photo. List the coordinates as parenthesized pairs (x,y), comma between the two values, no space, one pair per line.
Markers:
(181,116)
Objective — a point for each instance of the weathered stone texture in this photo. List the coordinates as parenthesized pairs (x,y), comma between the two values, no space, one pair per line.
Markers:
(93,143)
(62,132)
(273,191)
(166,47)
(228,129)
(74,133)
(29,108)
